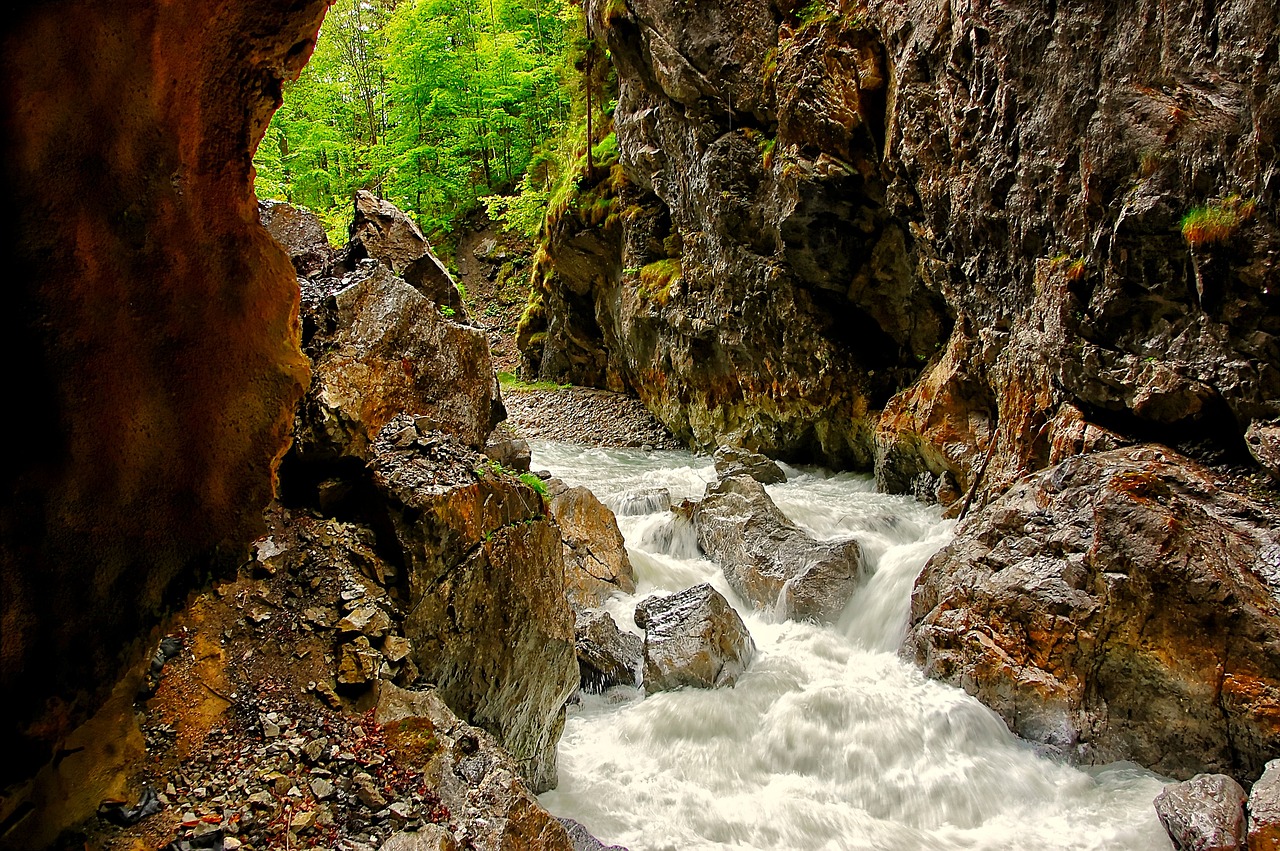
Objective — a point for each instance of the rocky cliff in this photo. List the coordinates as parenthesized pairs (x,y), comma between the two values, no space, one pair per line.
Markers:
(898,232)
(152,326)
(960,243)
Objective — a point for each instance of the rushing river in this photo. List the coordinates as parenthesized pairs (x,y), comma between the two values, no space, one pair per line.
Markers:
(829,741)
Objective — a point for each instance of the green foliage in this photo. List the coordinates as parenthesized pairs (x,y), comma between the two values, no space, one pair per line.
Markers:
(432,104)
(510,381)
(536,483)
(1217,222)
(817,12)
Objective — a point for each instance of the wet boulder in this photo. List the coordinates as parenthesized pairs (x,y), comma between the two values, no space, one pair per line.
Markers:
(607,656)
(583,840)
(595,554)
(507,448)
(1123,605)
(735,461)
(384,350)
(693,638)
(1264,810)
(487,616)
(1205,813)
(471,773)
(768,559)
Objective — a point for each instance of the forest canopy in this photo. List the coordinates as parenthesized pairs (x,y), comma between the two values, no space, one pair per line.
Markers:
(433,104)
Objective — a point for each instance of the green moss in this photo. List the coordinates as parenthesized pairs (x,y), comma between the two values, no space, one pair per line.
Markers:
(1217,222)
(659,278)
(614,10)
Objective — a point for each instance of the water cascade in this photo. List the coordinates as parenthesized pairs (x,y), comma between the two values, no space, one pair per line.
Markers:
(829,741)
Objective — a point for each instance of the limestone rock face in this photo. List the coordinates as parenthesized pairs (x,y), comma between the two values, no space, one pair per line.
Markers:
(486,611)
(155,322)
(381,349)
(595,554)
(1119,606)
(607,656)
(1264,810)
(732,461)
(1205,813)
(469,771)
(857,205)
(768,559)
(692,638)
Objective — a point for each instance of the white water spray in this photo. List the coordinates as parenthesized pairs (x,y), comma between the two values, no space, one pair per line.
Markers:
(829,741)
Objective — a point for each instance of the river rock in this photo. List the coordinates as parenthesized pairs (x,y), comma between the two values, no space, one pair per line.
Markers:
(508,448)
(1205,813)
(583,840)
(1119,606)
(693,638)
(388,350)
(735,461)
(470,772)
(299,232)
(489,621)
(768,559)
(607,656)
(595,554)
(430,837)
(1264,810)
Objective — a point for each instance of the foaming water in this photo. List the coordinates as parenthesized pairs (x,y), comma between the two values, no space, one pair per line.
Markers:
(829,741)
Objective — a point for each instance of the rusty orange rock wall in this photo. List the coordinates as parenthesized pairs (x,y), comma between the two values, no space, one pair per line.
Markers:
(150,326)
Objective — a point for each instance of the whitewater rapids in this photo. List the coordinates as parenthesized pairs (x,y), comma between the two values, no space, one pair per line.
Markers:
(829,741)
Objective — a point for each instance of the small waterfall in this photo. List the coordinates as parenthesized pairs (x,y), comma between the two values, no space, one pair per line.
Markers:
(829,741)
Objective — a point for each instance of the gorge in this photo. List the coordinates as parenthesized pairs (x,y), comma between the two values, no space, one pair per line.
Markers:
(1015,261)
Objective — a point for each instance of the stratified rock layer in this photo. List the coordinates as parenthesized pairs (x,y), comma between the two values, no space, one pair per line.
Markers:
(155,323)
(1120,606)
(486,610)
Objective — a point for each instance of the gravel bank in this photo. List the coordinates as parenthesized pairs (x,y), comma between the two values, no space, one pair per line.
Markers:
(586,417)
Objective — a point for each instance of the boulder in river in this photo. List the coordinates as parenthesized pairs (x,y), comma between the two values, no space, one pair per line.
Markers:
(595,554)
(486,614)
(1205,813)
(1123,605)
(506,447)
(607,656)
(1264,810)
(768,559)
(735,461)
(583,840)
(693,638)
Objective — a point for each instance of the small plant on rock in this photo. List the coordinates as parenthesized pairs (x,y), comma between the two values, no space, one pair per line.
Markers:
(1217,222)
